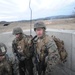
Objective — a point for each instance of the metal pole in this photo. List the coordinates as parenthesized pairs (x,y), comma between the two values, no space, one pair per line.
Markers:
(30,17)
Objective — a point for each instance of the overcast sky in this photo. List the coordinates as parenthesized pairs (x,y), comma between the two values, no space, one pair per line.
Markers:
(13,10)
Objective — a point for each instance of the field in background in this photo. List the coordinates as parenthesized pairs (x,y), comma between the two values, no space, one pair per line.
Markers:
(65,24)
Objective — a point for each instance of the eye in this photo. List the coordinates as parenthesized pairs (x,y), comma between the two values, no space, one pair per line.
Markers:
(3,49)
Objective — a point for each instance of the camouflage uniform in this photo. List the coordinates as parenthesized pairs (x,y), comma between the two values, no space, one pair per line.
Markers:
(22,52)
(47,52)
(5,67)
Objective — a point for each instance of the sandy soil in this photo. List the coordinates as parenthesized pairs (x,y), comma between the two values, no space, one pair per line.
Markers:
(65,24)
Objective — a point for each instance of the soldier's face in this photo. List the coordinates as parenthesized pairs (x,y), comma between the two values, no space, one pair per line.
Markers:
(18,36)
(39,32)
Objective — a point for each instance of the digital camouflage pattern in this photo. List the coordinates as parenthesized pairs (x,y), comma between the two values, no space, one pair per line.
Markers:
(21,50)
(60,46)
(3,49)
(47,51)
(5,67)
(53,55)
(22,46)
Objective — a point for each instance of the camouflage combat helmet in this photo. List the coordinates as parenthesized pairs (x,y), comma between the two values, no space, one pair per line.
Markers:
(3,49)
(17,30)
(39,25)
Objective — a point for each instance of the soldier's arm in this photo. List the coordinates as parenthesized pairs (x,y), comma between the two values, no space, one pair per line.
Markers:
(8,68)
(14,47)
(53,55)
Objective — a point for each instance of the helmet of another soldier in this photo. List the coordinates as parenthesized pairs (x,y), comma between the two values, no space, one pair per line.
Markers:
(39,25)
(3,49)
(17,30)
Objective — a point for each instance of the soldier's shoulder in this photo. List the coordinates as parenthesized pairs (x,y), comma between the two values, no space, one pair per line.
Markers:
(48,38)
(24,35)
(27,36)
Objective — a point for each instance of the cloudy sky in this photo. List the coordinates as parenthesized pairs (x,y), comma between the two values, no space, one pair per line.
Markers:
(13,10)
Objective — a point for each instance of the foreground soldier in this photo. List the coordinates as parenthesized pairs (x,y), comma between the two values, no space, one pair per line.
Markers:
(46,52)
(21,50)
(5,67)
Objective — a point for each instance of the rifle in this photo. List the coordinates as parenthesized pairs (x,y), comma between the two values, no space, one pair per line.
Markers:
(33,41)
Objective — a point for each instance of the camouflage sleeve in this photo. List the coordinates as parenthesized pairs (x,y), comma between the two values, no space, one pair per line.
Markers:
(53,55)
(8,68)
(14,47)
